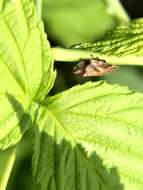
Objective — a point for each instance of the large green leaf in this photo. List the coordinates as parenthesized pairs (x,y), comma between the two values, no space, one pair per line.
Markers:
(26,71)
(90,137)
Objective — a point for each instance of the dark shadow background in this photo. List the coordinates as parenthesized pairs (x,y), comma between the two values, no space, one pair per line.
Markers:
(21,177)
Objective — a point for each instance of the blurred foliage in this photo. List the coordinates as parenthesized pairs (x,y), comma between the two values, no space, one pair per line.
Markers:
(68,22)
(130,76)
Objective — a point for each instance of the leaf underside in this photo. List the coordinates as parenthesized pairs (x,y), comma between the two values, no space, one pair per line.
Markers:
(123,43)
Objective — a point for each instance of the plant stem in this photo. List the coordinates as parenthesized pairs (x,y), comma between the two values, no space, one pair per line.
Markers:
(116,9)
(73,55)
(7,160)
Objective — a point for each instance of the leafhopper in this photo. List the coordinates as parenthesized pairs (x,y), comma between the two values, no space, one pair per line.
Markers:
(93,67)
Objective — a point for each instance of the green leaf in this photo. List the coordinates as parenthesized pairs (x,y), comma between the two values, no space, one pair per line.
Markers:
(26,71)
(122,45)
(125,37)
(90,137)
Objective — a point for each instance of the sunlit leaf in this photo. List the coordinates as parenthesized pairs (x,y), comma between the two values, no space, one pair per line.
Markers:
(26,71)
(90,137)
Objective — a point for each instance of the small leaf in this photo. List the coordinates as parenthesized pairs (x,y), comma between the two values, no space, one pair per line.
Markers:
(122,45)
(26,71)
(90,137)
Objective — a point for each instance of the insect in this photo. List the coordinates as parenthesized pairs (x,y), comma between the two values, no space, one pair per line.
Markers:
(93,67)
